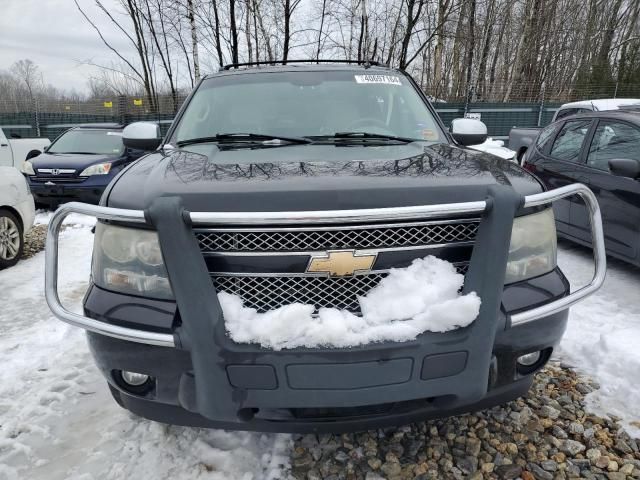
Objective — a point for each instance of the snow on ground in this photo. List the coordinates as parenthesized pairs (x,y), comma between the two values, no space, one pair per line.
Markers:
(57,419)
(603,335)
(422,297)
(43,217)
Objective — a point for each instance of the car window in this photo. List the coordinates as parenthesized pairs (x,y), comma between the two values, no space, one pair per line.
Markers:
(613,140)
(310,103)
(93,142)
(568,143)
(546,136)
(565,112)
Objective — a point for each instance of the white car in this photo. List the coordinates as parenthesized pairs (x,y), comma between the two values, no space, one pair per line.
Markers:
(14,151)
(17,212)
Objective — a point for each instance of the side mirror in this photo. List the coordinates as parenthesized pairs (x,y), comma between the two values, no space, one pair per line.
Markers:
(468,131)
(142,136)
(33,154)
(625,167)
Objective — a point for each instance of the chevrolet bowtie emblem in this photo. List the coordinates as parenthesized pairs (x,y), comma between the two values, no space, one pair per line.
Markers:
(341,263)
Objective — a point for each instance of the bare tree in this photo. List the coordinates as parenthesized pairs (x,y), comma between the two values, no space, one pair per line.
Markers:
(28,74)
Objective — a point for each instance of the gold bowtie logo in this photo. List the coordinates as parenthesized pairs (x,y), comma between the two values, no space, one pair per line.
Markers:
(341,263)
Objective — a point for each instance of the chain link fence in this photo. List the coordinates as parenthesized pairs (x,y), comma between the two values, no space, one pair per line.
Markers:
(49,118)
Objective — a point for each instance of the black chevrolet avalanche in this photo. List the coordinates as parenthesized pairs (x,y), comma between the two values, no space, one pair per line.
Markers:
(267,168)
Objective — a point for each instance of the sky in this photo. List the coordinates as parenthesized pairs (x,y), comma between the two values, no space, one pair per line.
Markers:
(55,36)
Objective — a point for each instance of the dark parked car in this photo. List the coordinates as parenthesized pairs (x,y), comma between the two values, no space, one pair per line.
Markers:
(307,184)
(601,150)
(79,164)
(520,139)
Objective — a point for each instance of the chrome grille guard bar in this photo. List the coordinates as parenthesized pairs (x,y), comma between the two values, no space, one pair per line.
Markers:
(312,217)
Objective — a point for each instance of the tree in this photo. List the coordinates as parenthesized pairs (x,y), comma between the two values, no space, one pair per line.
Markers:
(27,72)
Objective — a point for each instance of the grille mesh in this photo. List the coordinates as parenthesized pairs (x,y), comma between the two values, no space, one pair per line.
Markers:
(268,293)
(314,240)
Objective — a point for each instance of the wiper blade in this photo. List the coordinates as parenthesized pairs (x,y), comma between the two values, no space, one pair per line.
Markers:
(362,138)
(245,137)
(373,136)
(75,153)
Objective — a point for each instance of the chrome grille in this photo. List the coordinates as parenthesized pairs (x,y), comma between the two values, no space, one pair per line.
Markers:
(318,239)
(270,292)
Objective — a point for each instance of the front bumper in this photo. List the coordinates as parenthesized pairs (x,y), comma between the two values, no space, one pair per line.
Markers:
(27,212)
(204,378)
(322,389)
(88,191)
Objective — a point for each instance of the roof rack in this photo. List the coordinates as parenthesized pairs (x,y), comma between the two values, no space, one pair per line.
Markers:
(366,63)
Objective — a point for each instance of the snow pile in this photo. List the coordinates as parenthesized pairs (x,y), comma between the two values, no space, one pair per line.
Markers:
(603,335)
(495,147)
(409,301)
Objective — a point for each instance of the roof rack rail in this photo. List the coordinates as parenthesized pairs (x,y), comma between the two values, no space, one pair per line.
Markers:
(366,63)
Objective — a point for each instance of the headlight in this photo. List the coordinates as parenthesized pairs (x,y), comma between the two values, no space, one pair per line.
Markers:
(129,260)
(99,169)
(27,168)
(533,248)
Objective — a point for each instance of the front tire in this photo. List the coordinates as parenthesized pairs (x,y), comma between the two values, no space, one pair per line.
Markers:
(11,239)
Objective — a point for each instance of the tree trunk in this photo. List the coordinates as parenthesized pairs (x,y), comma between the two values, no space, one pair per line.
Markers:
(248,29)
(324,9)
(216,33)
(484,56)
(472,45)
(234,31)
(287,21)
(439,50)
(194,40)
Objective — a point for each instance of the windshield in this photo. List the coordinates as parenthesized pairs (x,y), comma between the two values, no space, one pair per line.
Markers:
(96,142)
(307,104)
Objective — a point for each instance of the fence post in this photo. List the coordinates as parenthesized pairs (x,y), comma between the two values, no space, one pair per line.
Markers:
(122,109)
(467,100)
(541,112)
(36,116)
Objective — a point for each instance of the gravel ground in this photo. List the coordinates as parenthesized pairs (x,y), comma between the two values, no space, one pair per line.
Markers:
(545,436)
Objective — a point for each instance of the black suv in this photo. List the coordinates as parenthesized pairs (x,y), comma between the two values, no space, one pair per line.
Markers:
(270,170)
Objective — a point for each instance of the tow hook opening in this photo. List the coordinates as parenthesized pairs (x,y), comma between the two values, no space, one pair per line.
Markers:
(247,414)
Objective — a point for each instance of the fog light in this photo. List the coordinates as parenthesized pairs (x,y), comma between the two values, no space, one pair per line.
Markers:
(134,379)
(529,359)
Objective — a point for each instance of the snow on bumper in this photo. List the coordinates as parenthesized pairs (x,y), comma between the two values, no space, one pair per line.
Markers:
(410,301)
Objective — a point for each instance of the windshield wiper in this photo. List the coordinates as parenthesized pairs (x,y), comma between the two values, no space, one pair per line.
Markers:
(270,140)
(75,153)
(367,137)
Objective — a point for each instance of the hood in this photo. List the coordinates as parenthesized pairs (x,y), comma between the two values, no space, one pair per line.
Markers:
(70,160)
(315,177)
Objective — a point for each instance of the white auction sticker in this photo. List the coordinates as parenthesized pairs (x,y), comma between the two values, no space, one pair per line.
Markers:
(387,79)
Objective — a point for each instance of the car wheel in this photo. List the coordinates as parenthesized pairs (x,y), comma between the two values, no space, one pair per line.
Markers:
(11,239)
